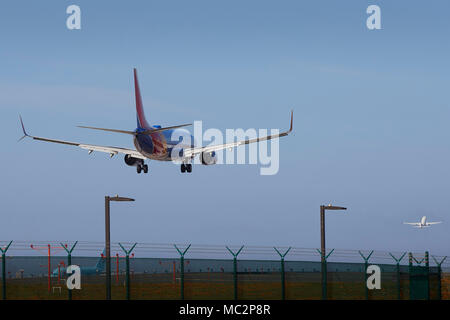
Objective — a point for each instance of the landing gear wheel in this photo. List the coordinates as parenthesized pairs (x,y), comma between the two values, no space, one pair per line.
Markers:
(183,168)
(189,167)
(139,168)
(145,168)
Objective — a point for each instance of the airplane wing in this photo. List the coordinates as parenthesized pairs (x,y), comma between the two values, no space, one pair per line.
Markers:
(191,152)
(434,222)
(90,147)
(412,223)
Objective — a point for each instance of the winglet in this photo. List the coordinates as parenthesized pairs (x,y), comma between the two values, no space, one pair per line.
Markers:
(25,134)
(292,120)
(285,133)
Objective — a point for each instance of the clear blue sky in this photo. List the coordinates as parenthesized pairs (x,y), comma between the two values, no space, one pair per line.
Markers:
(370,129)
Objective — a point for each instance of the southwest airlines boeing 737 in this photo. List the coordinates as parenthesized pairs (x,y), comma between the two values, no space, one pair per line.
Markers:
(156,143)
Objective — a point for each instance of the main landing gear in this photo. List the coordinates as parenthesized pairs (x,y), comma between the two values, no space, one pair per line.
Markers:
(142,167)
(186,167)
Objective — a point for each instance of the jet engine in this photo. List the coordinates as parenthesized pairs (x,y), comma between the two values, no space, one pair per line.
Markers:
(208,158)
(129,160)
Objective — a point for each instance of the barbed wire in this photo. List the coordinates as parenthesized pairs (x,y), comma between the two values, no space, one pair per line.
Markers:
(167,250)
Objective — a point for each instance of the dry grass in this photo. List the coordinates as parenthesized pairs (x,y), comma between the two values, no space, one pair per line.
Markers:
(197,286)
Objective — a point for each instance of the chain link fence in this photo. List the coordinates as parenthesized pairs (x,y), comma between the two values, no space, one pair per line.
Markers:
(37,270)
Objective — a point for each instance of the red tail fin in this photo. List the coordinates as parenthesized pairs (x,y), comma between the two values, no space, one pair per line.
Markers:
(141,122)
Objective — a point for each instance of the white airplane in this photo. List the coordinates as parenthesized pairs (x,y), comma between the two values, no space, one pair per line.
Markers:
(423,223)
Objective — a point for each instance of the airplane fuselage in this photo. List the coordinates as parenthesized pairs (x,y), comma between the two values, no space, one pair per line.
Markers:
(423,222)
(85,271)
(160,145)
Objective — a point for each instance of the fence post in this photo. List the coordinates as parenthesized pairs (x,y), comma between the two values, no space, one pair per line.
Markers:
(427,270)
(4,269)
(69,262)
(366,263)
(235,270)
(410,268)
(413,259)
(127,264)
(439,276)
(398,274)
(182,269)
(283,279)
(324,273)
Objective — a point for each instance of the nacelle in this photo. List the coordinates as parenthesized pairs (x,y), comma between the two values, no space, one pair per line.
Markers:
(129,160)
(208,158)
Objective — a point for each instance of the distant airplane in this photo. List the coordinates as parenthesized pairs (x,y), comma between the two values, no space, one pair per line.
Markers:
(155,143)
(94,270)
(423,223)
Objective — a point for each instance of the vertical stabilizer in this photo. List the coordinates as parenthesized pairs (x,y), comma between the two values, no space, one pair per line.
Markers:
(141,121)
(423,220)
(101,262)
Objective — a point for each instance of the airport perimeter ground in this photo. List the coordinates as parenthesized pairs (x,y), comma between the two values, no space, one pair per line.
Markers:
(218,286)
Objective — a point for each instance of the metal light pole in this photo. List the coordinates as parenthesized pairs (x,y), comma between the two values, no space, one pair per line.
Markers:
(322,246)
(108,199)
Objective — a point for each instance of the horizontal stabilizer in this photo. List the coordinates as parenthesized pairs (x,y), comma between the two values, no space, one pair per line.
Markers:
(111,130)
(153,130)
(166,128)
